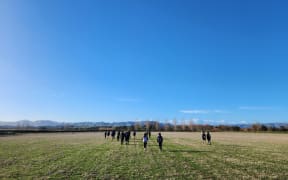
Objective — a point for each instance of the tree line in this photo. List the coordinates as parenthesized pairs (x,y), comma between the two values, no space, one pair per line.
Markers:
(156,126)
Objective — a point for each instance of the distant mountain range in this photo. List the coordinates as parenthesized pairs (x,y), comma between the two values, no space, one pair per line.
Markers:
(50,123)
(25,123)
(276,125)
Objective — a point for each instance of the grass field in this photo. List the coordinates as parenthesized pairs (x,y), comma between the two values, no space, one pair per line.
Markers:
(90,156)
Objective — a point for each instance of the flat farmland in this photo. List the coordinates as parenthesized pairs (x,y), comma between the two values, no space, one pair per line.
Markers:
(184,156)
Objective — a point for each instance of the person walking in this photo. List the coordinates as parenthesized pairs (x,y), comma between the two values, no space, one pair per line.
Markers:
(209,138)
(145,140)
(149,134)
(113,133)
(134,136)
(122,137)
(160,141)
(203,137)
(127,137)
(118,135)
(134,133)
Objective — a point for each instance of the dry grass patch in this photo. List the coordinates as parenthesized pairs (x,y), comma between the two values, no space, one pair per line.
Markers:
(90,156)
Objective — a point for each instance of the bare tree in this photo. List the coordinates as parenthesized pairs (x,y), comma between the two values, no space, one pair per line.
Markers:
(147,125)
(157,126)
(256,127)
(183,125)
(166,127)
(191,125)
(175,124)
(137,125)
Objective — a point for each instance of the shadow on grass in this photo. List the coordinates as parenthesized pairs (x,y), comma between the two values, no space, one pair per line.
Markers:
(234,146)
(139,144)
(187,151)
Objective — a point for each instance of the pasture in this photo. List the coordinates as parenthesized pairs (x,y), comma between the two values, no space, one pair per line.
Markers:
(90,156)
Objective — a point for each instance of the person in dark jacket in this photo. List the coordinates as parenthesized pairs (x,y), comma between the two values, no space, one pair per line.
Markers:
(113,133)
(203,137)
(127,137)
(134,136)
(145,140)
(118,135)
(149,132)
(209,138)
(122,137)
(134,133)
(105,134)
(160,141)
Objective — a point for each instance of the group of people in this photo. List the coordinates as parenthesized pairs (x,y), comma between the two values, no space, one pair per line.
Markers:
(206,137)
(159,140)
(121,135)
(107,133)
(125,136)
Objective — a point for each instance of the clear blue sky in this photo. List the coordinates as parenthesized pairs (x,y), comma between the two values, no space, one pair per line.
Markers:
(211,61)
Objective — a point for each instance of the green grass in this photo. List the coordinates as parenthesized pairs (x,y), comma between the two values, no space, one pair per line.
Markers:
(90,156)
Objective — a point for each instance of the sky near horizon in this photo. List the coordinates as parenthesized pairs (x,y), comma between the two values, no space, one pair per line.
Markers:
(210,61)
